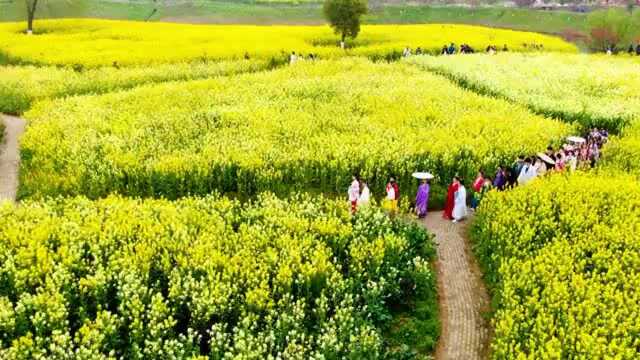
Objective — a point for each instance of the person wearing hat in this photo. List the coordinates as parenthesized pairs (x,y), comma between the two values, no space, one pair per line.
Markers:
(540,166)
(393,194)
(422,198)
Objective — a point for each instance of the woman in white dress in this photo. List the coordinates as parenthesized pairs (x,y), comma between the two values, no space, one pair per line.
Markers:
(354,193)
(460,203)
(363,200)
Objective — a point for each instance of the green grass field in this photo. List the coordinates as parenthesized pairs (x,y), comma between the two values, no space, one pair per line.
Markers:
(222,12)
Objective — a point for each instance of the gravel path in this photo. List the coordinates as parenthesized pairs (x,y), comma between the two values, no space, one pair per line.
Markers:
(10,157)
(462,295)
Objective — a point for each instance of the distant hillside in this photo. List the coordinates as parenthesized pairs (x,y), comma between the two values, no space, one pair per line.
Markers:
(302,12)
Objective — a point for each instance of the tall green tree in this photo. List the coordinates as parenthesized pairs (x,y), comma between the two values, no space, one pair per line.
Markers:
(613,27)
(344,16)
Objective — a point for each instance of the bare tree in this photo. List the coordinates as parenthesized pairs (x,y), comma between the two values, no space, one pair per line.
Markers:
(32,5)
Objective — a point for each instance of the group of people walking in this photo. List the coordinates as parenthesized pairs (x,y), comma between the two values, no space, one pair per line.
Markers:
(360,195)
(294,58)
(452,49)
(577,153)
(613,50)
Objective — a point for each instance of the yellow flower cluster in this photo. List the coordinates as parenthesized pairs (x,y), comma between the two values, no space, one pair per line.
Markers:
(154,279)
(307,127)
(623,152)
(92,43)
(600,91)
(20,86)
(562,257)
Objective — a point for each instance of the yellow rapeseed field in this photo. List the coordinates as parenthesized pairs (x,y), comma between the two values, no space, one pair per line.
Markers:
(304,127)
(562,256)
(93,43)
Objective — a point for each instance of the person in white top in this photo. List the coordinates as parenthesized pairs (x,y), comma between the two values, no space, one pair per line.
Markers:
(460,203)
(365,195)
(393,194)
(354,193)
(293,58)
(572,160)
(527,173)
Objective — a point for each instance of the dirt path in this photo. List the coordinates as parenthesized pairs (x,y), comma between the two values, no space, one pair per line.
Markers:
(10,157)
(462,295)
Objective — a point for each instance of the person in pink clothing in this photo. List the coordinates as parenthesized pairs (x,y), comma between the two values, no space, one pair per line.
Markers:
(354,193)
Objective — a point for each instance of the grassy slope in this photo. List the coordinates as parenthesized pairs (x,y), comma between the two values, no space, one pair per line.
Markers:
(234,12)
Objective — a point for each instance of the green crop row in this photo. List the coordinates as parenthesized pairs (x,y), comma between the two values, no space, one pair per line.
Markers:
(562,257)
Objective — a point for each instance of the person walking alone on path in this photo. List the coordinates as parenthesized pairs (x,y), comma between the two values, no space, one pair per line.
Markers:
(354,193)
(422,199)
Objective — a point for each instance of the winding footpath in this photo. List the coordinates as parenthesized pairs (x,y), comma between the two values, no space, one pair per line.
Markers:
(10,157)
(462,295)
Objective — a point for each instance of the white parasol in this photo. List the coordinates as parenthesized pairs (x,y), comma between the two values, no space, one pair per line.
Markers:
(546,158)
(576,139)
(422,175)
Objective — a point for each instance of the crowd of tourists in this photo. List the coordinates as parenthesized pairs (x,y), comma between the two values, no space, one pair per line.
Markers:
(577,153)
(631,50)
(295,57)
(453,49)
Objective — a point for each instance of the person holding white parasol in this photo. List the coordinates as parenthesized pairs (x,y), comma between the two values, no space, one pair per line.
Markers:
(422,197)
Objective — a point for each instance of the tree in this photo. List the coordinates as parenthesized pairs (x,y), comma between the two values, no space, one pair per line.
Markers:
(612,27)
(50,9)
(32,5)
(344,16)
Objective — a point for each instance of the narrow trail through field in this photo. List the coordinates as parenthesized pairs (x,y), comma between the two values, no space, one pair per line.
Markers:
(10,157)
(462,295)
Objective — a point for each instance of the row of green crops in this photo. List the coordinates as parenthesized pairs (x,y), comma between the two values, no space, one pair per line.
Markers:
(562,258)
(591,90)
(154,279)
(21,86)
(92,43)
(308,127)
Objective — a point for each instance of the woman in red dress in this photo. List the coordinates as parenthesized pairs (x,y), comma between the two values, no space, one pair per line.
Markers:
(448,205)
